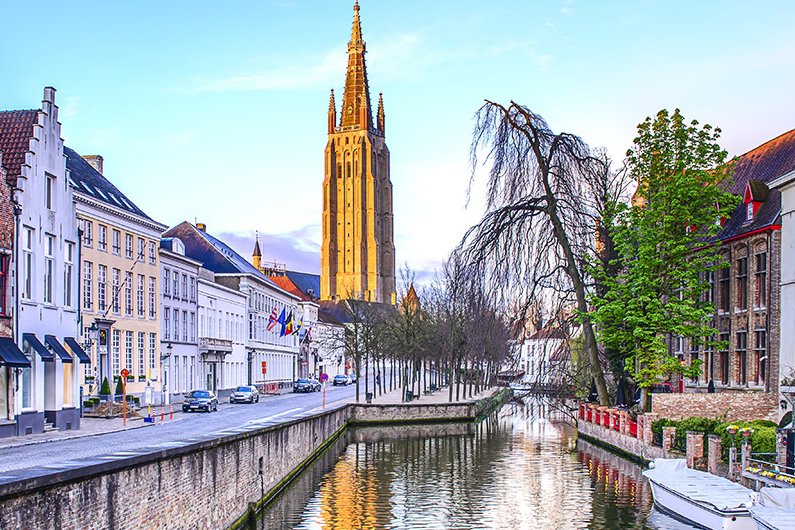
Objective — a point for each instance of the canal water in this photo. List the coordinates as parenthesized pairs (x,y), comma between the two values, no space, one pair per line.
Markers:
(520,468)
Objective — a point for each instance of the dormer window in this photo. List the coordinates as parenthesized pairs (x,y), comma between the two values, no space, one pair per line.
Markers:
(755,194)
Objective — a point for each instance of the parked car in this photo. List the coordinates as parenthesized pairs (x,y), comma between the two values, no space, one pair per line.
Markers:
(315,384)
(352,377)
(341,379)
(244,394)
(305,385)
(200,400)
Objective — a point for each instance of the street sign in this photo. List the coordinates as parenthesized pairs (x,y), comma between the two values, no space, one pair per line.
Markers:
(264,367)
(125,373)
(323,377)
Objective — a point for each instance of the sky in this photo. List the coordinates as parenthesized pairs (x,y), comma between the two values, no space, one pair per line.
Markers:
(216,112)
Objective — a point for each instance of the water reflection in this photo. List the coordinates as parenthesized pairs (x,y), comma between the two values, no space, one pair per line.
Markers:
(521,468)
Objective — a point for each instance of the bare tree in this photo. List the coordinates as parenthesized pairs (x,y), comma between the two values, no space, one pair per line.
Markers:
(540,223)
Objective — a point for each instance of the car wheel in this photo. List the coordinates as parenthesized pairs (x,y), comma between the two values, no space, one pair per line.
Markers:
(257,400)
(215,407)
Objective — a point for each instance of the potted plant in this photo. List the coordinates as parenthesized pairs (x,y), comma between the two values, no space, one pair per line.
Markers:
(104,391)
(141,378)
(119,389)
(90,379)
(747,431)
(130,378)
(732,429)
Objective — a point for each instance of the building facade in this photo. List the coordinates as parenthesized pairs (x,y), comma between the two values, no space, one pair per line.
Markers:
(358,251)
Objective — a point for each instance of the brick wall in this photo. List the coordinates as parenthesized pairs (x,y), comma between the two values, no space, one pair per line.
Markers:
(737,405)
(6,246)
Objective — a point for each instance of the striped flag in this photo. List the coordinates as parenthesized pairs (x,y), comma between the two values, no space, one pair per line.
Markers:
(273,320)
(288,325)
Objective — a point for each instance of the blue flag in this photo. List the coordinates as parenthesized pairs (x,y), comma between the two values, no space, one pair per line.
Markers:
(281,321)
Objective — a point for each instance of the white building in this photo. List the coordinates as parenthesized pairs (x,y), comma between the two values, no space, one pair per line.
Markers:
(179,308)
(786,185)
(222,341)
(544,356)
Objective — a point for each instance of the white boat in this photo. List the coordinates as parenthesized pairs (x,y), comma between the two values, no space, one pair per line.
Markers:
(774,509)
(698,498)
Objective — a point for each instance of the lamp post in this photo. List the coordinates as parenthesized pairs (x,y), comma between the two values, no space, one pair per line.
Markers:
(164,383)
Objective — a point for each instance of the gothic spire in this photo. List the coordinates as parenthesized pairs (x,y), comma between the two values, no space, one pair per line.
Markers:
(381,115)
(356,99)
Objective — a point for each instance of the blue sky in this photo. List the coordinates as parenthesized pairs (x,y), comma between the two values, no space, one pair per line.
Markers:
(216,111)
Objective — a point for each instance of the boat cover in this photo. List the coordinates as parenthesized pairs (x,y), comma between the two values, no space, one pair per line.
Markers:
(775,509)
(699,486)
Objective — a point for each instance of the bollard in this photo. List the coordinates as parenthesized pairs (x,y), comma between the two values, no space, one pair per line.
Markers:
(170,411)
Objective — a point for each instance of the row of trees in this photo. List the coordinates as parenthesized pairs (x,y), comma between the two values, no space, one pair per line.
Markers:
(560,226)
(449,333)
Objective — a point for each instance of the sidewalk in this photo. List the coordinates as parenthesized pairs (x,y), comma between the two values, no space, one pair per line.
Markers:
(440,396)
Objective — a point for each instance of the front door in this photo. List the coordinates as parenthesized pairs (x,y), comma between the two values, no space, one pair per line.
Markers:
(211,377)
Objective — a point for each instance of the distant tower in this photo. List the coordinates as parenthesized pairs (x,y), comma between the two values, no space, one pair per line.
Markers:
(256,256)
(358,250)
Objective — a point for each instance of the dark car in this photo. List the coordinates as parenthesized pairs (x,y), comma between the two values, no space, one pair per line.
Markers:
(341,379)
(304,385)
(244,394)
(315,385)
(200,400)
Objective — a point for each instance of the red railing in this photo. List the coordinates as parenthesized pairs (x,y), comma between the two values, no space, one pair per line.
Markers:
(633,428)
(610,419)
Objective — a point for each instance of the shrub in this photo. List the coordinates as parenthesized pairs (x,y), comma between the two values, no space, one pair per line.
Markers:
(87,404)
(763,440)
(657,426)
(119,387)
(105,387)
(786,421)
(763,423)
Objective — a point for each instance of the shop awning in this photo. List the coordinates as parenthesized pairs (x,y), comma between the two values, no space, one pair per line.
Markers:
(77,350)
(45,354)
(11,355)
(58,347)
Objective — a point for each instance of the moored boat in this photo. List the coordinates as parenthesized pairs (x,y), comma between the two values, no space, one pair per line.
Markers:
(698,498)
(774,509)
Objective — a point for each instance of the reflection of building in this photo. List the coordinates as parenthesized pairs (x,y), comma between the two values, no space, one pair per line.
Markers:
(358,251)
(43,385)
(119,279)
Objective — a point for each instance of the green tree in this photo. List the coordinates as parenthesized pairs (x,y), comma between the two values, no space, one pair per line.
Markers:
(119,386)
(664,241)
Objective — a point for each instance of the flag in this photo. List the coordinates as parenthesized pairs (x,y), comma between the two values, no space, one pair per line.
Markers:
(288,325)
(298,328)
(273,320)
(281,321)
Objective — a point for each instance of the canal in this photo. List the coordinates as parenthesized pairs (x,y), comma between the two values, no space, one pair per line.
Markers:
(520,468)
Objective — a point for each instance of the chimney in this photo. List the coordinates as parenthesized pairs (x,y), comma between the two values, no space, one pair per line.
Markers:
(95,161)
(202,227)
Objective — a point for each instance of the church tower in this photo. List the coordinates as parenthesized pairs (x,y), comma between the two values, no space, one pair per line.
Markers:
(358,250)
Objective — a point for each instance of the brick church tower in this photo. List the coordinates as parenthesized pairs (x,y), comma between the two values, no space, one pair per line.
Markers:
(358,250)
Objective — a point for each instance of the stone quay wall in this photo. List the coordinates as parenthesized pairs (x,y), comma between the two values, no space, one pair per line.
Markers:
(216,482)
(631,446)
(738,406)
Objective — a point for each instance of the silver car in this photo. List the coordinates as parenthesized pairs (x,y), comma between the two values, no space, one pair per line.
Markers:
(244,394)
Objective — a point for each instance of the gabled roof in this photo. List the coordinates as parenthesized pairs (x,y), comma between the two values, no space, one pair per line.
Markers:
(548,333)
(757,190)
(216,255)
(87,180)
(285,283)
(16,130)
(306,282)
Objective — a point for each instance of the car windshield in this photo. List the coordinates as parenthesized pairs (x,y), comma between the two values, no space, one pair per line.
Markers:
(303,380)
(200,394)
(244,389)
(340,376)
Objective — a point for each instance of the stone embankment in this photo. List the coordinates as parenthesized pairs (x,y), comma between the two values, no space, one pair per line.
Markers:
(209,482)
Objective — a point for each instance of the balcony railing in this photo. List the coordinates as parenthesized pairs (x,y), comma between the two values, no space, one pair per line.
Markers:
(213,344)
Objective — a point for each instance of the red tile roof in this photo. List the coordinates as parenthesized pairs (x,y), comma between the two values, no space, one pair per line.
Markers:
(287,284)
(16,130)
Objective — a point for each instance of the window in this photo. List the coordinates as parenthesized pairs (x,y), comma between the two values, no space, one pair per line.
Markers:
(166,323)
(152,300)
(140,296)
(152,350)
(128,351)
(185,326)
(724,360)
(695,347)
(709,296)
(141,353)
(116,344)
(27,264)
(176,285)
(749,211)
(87,285)
(128,246)
(742,356)
(87,238)
(69,250)
(49,268)
(760,356)
(102,278)
(184,286)
(742,283)
(725,285)
(3,283)
(102,237)
(166,289)
(192,289)
(176,324)
(141,249)
(116,286)
(152,259)
(193,327)
(49,193)
(128,303)
(761,280)
(116,242)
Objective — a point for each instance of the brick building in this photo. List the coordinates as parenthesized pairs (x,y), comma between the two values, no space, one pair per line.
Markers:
(746,295)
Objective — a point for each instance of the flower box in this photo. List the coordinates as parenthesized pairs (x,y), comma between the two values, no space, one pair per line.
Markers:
(142,378)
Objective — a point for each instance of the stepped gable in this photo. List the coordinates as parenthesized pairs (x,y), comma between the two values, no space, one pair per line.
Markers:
(16,130)
(85,179)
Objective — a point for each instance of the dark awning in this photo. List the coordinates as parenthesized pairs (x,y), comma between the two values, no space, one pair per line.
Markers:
(59,349)
(77,350)
(11,355)
(45,354)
